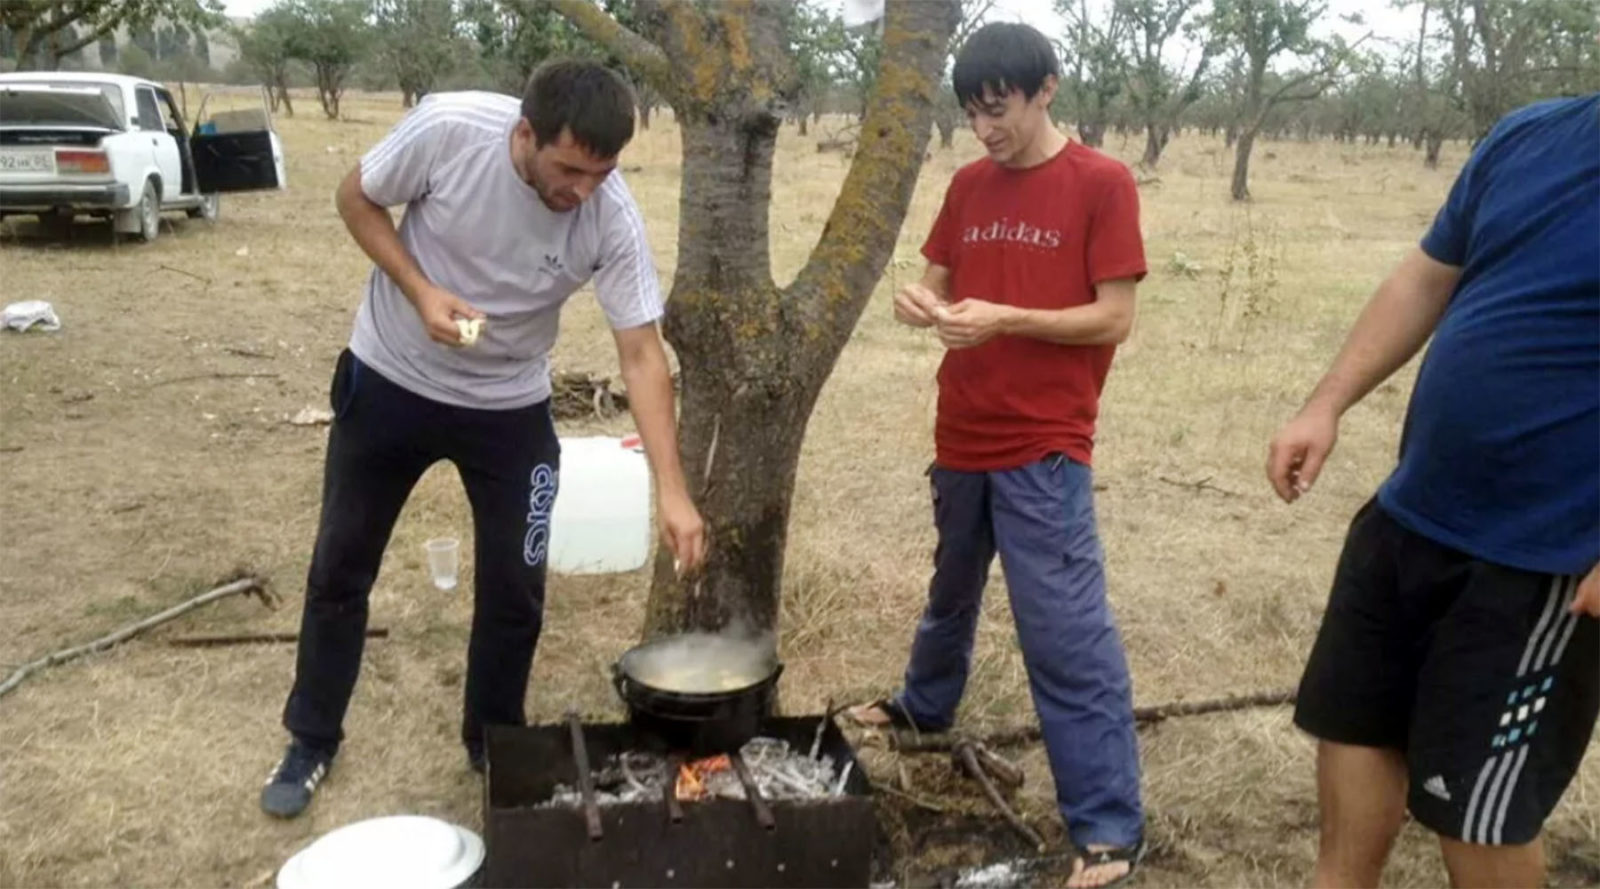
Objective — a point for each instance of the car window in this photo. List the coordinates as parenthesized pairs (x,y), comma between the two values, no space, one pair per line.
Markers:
(149,111)
(169,111)
(111,91)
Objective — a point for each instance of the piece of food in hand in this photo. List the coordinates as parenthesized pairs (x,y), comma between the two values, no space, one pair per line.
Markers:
(941,313)
(469,328)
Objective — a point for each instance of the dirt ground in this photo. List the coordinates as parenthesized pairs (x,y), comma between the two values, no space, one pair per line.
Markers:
(146,456)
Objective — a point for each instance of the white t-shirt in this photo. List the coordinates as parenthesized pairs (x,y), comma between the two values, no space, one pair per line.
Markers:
(479,231)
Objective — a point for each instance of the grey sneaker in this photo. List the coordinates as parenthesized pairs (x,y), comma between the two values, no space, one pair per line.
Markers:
(289,789)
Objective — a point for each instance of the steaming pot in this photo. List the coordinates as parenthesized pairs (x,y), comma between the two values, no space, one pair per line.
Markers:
(698,693)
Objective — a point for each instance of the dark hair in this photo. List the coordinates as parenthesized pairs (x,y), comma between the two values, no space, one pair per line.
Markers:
(1003,56)
(585,97)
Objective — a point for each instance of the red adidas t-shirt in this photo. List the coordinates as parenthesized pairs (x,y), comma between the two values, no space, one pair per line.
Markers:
(1039,238)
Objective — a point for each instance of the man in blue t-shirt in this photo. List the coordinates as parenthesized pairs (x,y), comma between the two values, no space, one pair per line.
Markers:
(1457,670)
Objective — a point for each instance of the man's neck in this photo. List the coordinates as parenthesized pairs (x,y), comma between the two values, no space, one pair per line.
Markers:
(1047,145)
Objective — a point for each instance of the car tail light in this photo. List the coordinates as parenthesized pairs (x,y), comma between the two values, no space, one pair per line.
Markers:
(82,161)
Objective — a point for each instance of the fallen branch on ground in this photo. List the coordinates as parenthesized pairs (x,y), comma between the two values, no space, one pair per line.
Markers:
(254,585)
(967,754)
(578,395)
(1201,485)
(253,639)
(909,797)
(1027,734)
(202,279)
(215,376)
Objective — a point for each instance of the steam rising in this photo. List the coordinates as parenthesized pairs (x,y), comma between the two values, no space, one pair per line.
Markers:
(704,663)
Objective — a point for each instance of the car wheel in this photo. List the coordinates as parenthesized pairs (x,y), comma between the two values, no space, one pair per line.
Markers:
(149,212)
(210,208)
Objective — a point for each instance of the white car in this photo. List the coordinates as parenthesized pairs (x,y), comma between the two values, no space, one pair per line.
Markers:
(116,147)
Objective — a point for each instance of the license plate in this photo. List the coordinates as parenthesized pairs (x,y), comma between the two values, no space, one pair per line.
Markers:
(27,161)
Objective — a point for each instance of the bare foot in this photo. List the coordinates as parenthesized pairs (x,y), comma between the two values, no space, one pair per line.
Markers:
(1088,876)
(871,715)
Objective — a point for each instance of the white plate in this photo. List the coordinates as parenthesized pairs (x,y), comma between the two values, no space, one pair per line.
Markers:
(22,160)
(397,852)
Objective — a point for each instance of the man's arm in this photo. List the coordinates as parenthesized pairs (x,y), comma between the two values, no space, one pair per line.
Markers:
(915,304)
(1395,323)
(372,227)
(649,380)
(1107,320)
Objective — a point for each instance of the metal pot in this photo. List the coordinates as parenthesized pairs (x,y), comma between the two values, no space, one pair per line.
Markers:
(698,693)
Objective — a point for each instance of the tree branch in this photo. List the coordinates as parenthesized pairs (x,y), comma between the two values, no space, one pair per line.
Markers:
(105,28)
(65,16)
(828,295)
(253,585)
(972,15)
(643,57)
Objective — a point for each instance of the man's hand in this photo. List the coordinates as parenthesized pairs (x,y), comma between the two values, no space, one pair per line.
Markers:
(971,322)
(915,304)
(1588,599)
(1299,450)
(439,309)
(683,531)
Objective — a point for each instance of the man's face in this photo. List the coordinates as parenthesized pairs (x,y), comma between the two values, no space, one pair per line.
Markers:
(563,172)
(1009,123)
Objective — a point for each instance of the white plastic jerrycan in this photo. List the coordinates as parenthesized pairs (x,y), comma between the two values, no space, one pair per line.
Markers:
(601,520)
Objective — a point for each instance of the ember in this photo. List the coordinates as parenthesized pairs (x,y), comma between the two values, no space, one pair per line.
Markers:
(787,809)
(692,776)
(776,771)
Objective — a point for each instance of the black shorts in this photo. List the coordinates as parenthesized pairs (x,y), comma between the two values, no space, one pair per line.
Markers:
(1479,673)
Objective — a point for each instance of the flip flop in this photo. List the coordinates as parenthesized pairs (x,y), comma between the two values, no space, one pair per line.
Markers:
(889,707)
(1130,854)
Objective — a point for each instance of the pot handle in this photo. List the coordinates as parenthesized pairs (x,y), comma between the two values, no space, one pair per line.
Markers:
(619,681)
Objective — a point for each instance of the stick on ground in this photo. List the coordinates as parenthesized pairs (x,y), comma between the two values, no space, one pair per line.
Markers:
(253,585)
(253,639)
(967,751)
(905,742)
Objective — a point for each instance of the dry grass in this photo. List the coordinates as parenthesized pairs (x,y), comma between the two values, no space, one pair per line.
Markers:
(140,766)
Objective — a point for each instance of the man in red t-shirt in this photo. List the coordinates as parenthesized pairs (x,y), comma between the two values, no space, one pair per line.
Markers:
(1030,285)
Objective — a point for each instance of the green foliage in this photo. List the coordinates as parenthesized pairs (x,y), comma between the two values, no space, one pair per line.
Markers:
(515,36)
(330,36)
(43,32)
(1095,65)
(416,42)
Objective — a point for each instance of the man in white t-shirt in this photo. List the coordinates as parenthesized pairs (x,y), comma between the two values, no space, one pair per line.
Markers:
(511,207)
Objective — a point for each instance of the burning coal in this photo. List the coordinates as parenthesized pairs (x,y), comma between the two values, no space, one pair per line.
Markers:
(777,772)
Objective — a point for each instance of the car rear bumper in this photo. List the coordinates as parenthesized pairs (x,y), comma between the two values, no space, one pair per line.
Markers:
(28,198)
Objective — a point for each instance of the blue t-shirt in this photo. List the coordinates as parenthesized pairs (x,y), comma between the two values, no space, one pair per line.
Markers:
(1500,457)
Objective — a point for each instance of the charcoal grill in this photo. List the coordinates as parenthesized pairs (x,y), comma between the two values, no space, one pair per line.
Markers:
(823,842)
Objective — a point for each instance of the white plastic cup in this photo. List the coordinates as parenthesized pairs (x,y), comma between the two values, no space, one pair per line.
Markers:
(444,560)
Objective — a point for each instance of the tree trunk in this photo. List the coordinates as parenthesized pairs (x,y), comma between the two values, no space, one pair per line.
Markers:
(1393,138)
(1155,140)
(644,116)
(805,129)
(1241,165)
(947,131)
(283,94)
(328,91)
(1230,136)
(1092,132)
(408,99)
(742,417)
(1435,141)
